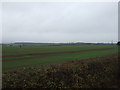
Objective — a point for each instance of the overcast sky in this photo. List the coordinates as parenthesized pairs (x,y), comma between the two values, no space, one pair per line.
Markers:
(60,22)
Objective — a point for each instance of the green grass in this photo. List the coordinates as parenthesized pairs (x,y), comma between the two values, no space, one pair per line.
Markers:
(40,60)
(14,50)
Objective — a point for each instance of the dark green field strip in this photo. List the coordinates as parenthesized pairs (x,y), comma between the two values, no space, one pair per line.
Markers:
(40,55)
(51,53)
(15,50)
(54,59)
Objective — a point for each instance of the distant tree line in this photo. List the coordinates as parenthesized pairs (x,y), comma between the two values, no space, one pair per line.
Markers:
(118,43)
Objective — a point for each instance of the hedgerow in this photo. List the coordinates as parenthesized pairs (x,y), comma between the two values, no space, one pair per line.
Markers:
(99,72)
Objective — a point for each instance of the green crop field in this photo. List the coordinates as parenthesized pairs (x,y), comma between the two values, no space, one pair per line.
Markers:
(15,57)
(88,66)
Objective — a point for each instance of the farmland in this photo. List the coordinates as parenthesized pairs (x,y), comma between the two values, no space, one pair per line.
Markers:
(88,66)
(60,67)
(16,57)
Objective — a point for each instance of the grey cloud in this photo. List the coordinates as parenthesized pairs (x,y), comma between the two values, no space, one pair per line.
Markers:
(60,22)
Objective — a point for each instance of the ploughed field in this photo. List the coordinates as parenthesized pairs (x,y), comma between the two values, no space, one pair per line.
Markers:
(14,57)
